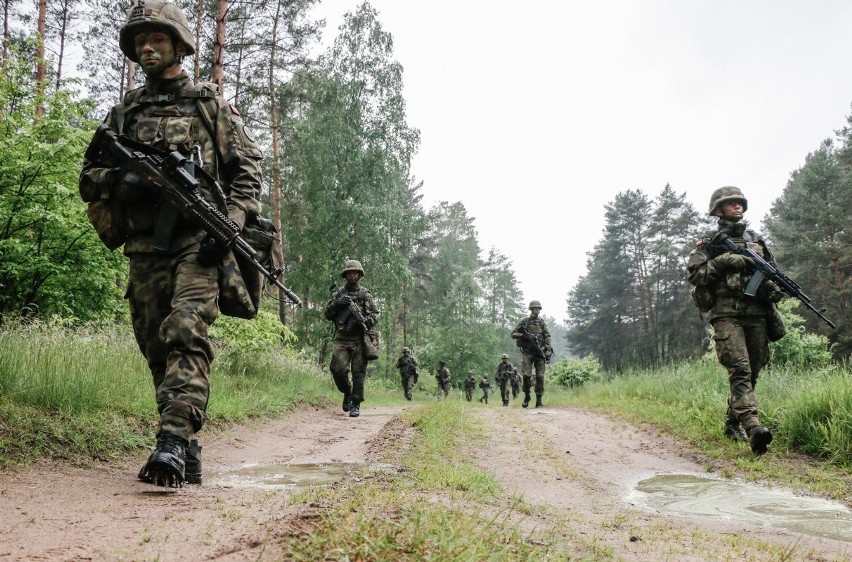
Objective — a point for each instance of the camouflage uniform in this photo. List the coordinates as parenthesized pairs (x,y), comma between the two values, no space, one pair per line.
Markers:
(516,382)
(486,387)
(409,371)
(739,321)
(173,297)
(503,376)
(349,338)
(442,375)
(469,385)
(536,327)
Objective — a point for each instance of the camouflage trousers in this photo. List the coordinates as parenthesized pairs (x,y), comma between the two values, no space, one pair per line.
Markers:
(468,394)
(172,304)
(408,381)
(516,388)
(527,364)
(743,349)
(349,354)
(443,389)
(505,389)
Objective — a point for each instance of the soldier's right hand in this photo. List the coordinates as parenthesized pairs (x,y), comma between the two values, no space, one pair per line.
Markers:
(129,187)
(345,300)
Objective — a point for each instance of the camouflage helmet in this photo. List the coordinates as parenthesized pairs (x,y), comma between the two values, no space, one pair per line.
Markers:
(352,265)
(534,304)
(504,356)
(406,349)
(154,13)
(727,193)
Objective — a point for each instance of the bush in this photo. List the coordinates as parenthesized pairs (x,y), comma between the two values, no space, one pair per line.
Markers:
(263,333)
(799,348)
(572,372)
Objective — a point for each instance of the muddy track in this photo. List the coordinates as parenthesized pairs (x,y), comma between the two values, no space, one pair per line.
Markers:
(575,469)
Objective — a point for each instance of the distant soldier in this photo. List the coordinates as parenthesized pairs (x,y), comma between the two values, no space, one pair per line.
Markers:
(409,371)
(442,375)
(469,385)
(516,382)
(533,337)
(486,388)
(344,308)
(503,376)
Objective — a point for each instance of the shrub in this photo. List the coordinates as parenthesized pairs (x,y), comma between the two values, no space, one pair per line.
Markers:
(573,372)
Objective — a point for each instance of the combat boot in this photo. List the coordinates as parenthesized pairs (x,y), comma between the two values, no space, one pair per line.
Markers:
(167,464)
(734,431)
(505,402)
(538,403)
(347,402)
(759,437)
(355,410)
(192,469)
(526,399)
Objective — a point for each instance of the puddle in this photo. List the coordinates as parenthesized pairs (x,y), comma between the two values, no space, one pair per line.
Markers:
(750,503)
(284,475)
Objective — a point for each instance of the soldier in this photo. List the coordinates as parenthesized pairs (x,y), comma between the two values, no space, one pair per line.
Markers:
(516,383)
(469,385)
(533,337)
(486,387)
(442,375)
(409,371)
(739,321)
(174,277)
(354,313)
(503,376)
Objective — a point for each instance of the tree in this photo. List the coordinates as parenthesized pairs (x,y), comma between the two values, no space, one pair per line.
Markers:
(51,261)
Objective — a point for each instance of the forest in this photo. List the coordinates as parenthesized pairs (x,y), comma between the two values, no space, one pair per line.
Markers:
(338,184)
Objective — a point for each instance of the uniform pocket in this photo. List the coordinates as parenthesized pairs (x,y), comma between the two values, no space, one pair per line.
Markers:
(147,129)
(177,132)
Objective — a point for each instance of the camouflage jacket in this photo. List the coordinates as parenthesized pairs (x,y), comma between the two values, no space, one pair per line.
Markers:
(349,329)
(407,364)
(504,372)
(484,384)
(536,327)
(178,115)
(725,287)
(443,375)
(470,382)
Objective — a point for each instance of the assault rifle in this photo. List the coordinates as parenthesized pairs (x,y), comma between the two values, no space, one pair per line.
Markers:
(765,270)
(167,174)
(536,343)
(350,310)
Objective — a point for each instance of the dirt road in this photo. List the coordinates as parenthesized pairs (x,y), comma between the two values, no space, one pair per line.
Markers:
(572,466)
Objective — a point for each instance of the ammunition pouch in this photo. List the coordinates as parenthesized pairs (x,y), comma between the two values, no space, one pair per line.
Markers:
(107,216)
(703,298)
(241,284)
(372,344)
(775,329)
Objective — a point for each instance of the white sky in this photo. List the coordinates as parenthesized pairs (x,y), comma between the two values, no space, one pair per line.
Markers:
(536,114)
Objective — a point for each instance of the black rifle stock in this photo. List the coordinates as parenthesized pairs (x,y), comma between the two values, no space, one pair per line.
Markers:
(765,270)
(167,173)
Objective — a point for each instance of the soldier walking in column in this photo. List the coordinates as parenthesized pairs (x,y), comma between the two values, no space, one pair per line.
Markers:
(503,376)
(469,386)
(409,371)
(485,385)
(533,337)
(442,375)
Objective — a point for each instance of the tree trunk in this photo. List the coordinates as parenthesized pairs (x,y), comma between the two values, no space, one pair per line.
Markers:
(196,58)
(41,66)
(217,71)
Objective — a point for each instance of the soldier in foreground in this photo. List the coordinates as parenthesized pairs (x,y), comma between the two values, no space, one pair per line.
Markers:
(533,337)
(503,376)
(485,385)
(469,386)
(443,377)
(409,371)
(354,313)
(174,275)
(739,321)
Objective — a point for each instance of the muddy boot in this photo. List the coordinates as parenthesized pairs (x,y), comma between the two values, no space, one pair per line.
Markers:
(355,410)
(166,465)
(538,403)
(347,402)
(505,403)
(734,431)
(526,401)
(192,470)
(759,437)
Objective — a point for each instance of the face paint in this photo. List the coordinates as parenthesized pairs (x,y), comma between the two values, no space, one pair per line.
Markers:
(155,51)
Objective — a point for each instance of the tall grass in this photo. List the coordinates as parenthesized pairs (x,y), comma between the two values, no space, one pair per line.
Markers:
(809,410)
(87,390)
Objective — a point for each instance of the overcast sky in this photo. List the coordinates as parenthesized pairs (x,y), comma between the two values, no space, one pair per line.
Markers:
(536,114)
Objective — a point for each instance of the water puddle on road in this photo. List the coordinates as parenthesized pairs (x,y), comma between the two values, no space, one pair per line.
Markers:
(284,475)
(750,503)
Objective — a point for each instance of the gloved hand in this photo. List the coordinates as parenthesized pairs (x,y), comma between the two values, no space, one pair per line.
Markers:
(127,187)
(733,262)
(210,253)
(771,292)
(343,301)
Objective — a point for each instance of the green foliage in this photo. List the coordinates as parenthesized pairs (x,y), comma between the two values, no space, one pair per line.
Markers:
(798,348)
(261,334)
(51,261)
(573,372)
